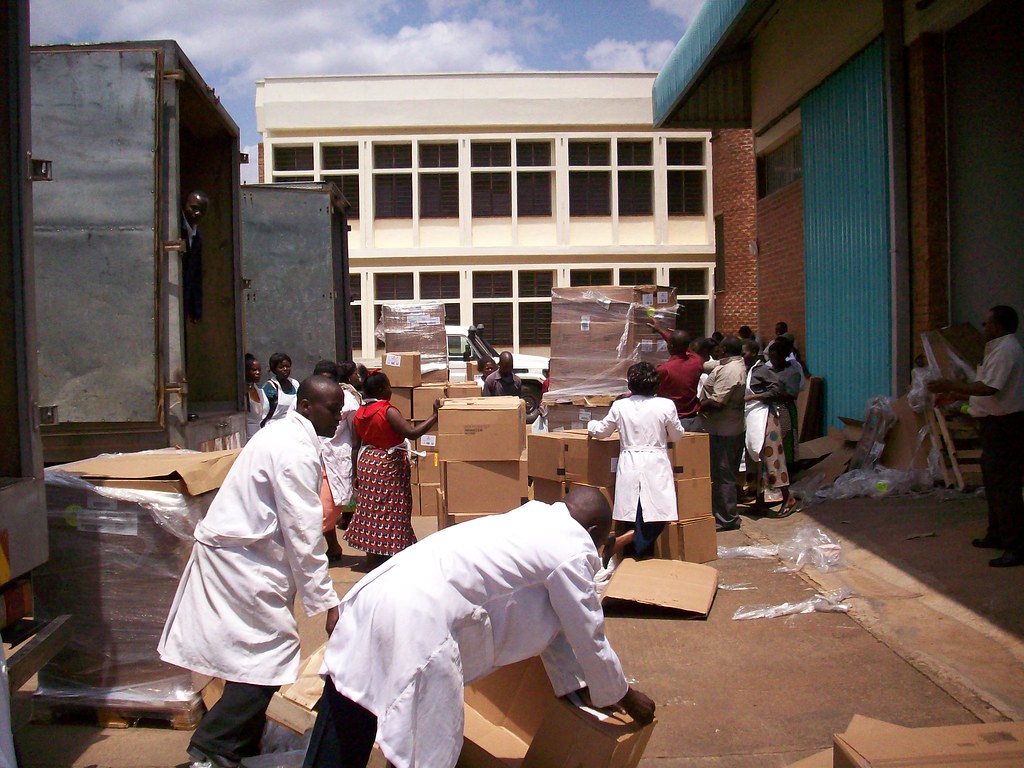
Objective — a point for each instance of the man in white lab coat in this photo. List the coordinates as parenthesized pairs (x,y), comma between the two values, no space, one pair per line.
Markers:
(257,548)
(455,607)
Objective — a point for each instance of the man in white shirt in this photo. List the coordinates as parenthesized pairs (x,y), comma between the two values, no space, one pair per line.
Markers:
(257,548)
(721,405)
(996,399)
(452,609)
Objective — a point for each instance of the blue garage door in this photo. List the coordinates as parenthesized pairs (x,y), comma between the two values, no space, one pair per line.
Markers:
(846,234)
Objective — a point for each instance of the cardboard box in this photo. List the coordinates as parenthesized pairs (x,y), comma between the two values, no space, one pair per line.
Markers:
(512,718)
(589,460)
(691,456)
(693,498)
(484,486)
(693,541)
(428,500)
(442,508)
(482,429)
(423,398)
(454,518)
(438,376)
(468,388)
(548,491)
(401,398)
(607,491)
(402,368)
(671,584)
(569,416)
(546,455)
(871,743)
(428,442)
(426,470)
(821,759)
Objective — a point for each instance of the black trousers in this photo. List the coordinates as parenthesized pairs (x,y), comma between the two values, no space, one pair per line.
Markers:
(343,734)
(1002,462)
(233,727)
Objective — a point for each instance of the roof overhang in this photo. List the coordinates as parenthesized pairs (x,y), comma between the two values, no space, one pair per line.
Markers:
(706,81)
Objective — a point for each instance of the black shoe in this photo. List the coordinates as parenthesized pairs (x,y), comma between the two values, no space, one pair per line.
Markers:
(733,526)
(1007,560)
(988,542)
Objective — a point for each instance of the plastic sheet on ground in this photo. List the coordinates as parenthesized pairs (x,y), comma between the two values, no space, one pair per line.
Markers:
(875,483)
(741,587)
(811,547)
(765,552)
(830,602)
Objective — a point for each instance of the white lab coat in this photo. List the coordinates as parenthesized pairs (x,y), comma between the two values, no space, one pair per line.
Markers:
(460,604)
(644,472)
(285,402)
(258,547)
(337,451)
(255,413)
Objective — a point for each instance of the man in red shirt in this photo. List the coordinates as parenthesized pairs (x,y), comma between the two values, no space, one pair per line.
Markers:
(680,375)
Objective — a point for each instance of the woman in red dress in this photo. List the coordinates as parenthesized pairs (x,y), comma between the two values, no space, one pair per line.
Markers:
(382,523)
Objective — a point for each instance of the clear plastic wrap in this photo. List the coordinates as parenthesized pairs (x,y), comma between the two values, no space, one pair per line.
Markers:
(830,602)
(416,327)
(811,547)
(879,418)
(598,332)
(766,552)
(877,483)
(918,396)
(116,555)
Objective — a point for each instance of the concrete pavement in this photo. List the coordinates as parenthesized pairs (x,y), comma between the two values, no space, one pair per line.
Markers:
(933,638)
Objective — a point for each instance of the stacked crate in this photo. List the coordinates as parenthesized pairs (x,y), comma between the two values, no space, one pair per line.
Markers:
(597,333)
(693,537)
(417,328)
(481,454)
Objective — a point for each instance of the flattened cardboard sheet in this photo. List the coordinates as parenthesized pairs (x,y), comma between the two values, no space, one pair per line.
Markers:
(201,472)
(675,584)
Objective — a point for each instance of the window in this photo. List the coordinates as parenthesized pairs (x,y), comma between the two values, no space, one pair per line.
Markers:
(691,316)
(442,285)
(780,167)
(637,277)
(439,192)
(533,153)
(492,285)
(535,322)
(496,318)
(590,190)
(392,192)
(491,154)
(393,286)
(534,194)
(343,158)
(355,310)
(689,282)
(492,194)
(636,178)
(536,284)
(685,185)
(590,277)
(293,159)
(719,253)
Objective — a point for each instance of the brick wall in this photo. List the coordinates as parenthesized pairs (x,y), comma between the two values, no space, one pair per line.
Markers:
(780,241)
(734,182)
(260,167)
(929,230)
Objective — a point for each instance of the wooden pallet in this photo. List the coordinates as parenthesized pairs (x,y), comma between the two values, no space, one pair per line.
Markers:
(54,710)
(960,445)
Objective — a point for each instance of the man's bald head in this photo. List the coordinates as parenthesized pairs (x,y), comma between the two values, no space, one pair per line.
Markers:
(505,363)
(590,508)
(678,343)
(320,399)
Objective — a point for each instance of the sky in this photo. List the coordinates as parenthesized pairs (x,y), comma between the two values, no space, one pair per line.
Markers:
(234,43)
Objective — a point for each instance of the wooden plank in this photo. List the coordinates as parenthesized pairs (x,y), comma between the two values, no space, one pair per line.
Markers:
(938,444)
(950,449)
(292,716)
(31,657)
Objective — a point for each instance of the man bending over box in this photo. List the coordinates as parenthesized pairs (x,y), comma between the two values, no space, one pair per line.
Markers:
(452,609)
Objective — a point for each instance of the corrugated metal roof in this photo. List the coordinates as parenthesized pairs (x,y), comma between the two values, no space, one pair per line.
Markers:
(693,55)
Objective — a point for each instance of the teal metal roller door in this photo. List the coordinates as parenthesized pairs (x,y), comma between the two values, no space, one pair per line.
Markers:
(846,234)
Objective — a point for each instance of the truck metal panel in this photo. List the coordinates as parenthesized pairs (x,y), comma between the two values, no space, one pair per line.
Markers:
(296,270)
(95,226)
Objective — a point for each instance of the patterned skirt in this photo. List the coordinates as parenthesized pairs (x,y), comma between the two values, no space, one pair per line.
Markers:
(773,472)
(382,523)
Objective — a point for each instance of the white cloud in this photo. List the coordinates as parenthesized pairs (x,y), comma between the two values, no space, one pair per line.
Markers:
(683,9)
(629,55)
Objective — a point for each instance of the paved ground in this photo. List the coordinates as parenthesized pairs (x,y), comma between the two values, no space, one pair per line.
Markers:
(934,637)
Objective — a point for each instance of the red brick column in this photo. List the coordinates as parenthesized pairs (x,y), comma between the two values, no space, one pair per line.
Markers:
(780,240)
(734,181)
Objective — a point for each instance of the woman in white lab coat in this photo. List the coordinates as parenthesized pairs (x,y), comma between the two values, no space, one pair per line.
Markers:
(338,454)
(281,390)
(256,404)
(645,496)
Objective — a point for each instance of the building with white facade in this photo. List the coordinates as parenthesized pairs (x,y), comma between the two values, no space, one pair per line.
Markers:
(488,190)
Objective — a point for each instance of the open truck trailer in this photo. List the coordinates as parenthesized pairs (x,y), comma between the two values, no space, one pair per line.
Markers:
(131,128)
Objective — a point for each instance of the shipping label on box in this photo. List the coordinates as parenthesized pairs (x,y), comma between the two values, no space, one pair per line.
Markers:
(423,398)
(484,486)
(693,498)
(428,442)
(546,452)
(691,456)
(589,460)
(402,368)
(401,398)
(482,429)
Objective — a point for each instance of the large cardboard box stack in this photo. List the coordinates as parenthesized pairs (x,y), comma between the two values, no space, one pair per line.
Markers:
(481,447)
(693,537)
(120,531)
(417,327)
(597,332)
(512,718)
(558,461)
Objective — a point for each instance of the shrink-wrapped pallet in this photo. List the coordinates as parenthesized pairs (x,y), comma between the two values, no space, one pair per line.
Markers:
(417,327)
